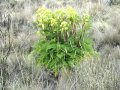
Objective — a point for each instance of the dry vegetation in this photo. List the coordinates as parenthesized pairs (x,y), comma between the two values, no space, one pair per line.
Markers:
(17,35)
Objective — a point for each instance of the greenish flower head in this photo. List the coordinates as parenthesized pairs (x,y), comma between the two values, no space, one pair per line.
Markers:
(64,25)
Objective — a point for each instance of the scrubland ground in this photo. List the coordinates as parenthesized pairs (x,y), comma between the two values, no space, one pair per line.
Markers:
(17,35)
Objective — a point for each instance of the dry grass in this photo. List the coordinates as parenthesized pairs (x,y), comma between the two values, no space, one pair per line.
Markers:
(17,72)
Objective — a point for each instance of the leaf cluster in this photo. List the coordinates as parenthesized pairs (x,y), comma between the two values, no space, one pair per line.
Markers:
(64,38)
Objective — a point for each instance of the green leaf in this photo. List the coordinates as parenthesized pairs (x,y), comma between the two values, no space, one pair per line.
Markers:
(65,41)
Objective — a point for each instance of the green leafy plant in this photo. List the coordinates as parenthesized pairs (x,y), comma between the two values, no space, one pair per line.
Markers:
(64,38)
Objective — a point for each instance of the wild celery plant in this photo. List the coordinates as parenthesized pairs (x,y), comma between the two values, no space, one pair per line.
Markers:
(64,39)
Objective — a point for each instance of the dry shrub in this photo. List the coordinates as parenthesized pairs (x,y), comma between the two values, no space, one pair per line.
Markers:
(102,74)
